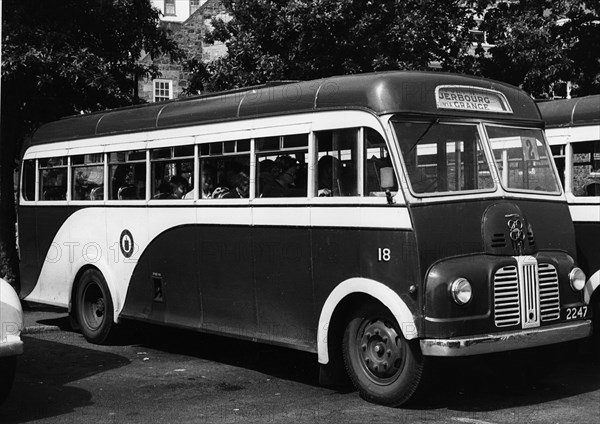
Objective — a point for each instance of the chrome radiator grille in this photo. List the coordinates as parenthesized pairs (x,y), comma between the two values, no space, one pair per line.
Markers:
(549,294)
(526,294)
(507,311)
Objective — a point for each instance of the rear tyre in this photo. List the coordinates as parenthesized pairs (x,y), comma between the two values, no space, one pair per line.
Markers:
(8,366)
(94,307)
(384,367)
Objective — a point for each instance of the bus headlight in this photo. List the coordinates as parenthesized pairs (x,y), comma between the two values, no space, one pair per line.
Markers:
(577,279)
(461,291)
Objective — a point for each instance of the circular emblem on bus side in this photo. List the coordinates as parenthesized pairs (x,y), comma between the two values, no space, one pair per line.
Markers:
(126,243)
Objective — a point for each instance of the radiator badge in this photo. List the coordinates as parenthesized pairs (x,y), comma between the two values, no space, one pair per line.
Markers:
(516,233)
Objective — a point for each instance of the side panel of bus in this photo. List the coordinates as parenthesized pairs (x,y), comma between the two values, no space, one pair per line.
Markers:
(576,150)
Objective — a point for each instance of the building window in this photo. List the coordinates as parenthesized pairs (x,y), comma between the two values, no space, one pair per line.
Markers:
(169,7)
(163,90)
(194,5)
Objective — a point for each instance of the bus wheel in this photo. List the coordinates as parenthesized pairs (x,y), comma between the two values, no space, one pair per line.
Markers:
(383,366)
(94,307)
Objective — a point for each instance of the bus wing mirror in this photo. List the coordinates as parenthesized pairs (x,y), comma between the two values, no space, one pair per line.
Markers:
(386,178)
(387,182)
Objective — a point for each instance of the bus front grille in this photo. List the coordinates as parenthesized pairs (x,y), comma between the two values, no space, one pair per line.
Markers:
(549,293)
(526,294)
(507,310)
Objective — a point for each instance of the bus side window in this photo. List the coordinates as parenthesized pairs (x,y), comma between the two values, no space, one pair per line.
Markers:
(224,170)
(586,169)
(28,188)
(337,163)
(281,169)
(53,178)
(127,175)
(172,172)
(377,159)
(87,177)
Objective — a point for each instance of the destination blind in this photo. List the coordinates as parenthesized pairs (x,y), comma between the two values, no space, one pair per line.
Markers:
(472,99)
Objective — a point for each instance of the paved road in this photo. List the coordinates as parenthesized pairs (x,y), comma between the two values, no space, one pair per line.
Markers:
(173,376)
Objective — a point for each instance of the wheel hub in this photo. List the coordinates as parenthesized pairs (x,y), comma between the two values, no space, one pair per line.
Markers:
(379,349)
(99,307)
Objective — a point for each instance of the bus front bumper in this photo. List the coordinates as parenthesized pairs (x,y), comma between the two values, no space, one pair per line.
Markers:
(508,340)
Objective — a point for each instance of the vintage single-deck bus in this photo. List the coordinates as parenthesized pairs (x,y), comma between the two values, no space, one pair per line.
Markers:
(376,220)
(573,131)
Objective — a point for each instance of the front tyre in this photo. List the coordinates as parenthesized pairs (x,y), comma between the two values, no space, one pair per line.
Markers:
(94,307)
(384,367)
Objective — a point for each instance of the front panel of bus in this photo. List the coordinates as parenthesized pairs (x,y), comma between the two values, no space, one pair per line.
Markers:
(494,233)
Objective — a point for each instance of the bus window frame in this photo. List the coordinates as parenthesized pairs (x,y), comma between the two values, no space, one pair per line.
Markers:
(446,195)
(567,143)
(39,192)
(195,136)
(147,180)
(549,156)
(72,169)
(173,158)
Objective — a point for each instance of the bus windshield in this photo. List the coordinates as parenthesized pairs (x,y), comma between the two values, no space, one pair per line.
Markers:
(522,158)
(443,158)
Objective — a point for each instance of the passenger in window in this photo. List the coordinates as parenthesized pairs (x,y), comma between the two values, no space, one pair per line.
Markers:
(179,186)
(207,183)
(175,188)
(241,186)
(327,170)
(164,191)
(266,177)
(285,170)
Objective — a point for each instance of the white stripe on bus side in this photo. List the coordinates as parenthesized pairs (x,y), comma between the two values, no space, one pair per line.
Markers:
(563,135)
(585,213)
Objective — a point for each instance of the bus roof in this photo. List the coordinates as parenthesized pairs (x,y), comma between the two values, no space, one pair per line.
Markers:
(379,93)
(571,112)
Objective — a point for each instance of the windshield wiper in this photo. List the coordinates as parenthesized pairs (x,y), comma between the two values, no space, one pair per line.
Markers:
(431,124)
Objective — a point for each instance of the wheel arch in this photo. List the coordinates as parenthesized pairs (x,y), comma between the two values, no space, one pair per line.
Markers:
(342,300)
(590,291)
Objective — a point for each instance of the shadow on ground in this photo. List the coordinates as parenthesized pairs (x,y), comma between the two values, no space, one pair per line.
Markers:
(480,383)
(41,389)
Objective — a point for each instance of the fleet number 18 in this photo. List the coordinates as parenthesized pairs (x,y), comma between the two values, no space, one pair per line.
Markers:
(384,254)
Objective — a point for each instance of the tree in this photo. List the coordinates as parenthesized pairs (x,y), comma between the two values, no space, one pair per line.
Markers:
(540,42)
(61,57)
(536,43)
(304,39)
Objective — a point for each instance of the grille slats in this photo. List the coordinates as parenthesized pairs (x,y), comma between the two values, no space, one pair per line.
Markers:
(549,293)
(527,303)
(506,297)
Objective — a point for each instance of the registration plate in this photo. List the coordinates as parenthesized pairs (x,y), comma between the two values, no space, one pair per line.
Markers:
(577,312)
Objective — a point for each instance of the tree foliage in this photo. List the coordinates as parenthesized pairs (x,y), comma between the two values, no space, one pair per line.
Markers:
(61,57)
(537,43)
(67,56)
(303,39)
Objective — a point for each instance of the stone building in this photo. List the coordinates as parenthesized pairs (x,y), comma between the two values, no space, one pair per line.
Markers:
(188,21)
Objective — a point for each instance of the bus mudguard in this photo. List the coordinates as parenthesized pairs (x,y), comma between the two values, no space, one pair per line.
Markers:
(388,297)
